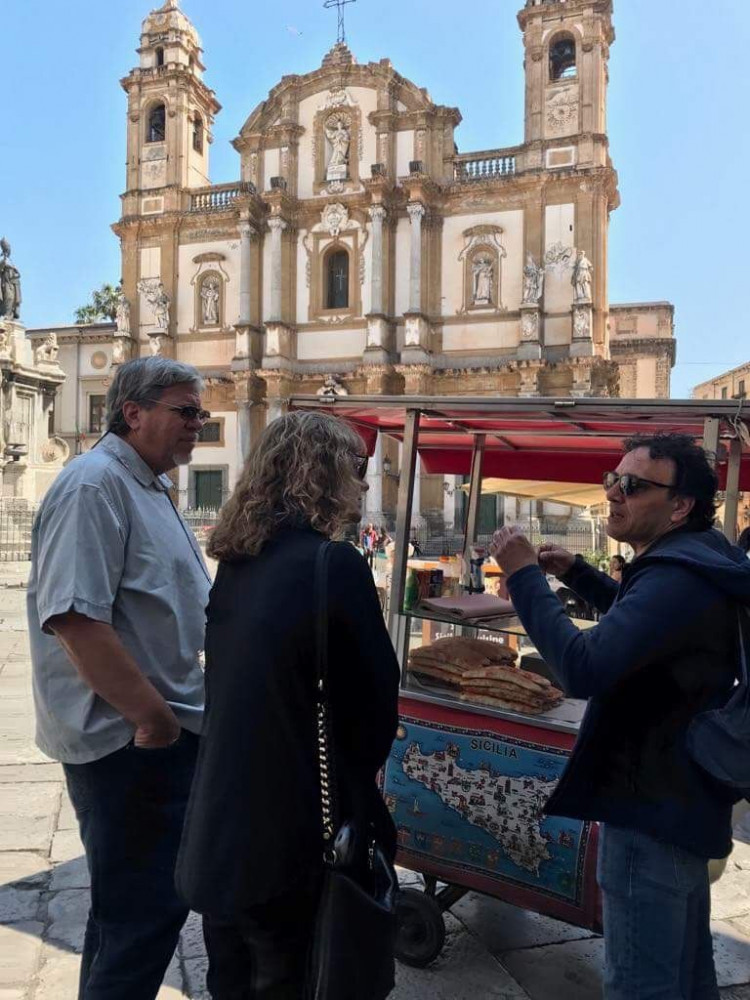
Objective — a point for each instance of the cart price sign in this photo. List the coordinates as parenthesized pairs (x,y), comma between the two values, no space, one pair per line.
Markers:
(474,801)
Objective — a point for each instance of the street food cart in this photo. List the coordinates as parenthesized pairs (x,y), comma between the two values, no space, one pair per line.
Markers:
(468,777)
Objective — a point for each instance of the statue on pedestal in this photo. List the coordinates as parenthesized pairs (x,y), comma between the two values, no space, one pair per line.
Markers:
(582,276)
(339,137)
(122,316)
(10,284)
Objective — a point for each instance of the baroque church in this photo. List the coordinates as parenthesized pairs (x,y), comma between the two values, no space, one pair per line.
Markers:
(361,252)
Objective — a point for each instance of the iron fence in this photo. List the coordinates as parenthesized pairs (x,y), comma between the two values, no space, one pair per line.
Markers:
(16,518)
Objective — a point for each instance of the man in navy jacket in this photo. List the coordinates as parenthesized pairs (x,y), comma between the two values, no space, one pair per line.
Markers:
(665,650)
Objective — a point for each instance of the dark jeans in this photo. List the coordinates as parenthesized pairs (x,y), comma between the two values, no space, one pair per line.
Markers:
(130,807)
(263,954)
(657,911)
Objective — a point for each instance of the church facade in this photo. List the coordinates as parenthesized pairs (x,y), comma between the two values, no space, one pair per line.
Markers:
(359,251)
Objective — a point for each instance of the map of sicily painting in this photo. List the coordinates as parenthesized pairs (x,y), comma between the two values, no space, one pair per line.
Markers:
(475,800)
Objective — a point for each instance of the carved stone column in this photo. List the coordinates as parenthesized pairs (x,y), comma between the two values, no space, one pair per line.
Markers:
(278,341)
(378,329)
(416,213)
(243,344)
(582,379)
(378,215)
(277,227)
(417,332)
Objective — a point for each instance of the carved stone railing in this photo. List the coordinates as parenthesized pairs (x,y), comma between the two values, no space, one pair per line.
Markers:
(219,197)
(484,166)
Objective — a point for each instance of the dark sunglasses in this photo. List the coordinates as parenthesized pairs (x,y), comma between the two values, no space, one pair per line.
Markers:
(630,484)
(188,413)
(360,463)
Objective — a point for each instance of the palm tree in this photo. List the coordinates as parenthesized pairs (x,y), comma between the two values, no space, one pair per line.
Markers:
(103,305)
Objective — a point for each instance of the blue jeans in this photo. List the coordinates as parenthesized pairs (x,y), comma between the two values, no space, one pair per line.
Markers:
(657,911)
(130,807)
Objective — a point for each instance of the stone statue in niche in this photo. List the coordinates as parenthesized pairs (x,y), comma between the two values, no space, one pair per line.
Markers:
(10,284)
(46,353)
(122,315)
(533,281)
(332,386)
(339,137)
(210,294)
(484,271)
(581,277)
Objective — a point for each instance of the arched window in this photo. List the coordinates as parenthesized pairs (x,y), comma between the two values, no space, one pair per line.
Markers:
(160,56)
(198,133)
(562,59)
(157,124)
(337,277)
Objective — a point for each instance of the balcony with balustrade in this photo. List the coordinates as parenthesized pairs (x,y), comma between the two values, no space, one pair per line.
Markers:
(219,197)
(489,165)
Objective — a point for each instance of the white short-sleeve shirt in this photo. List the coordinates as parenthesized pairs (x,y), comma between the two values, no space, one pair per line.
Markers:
(108,543)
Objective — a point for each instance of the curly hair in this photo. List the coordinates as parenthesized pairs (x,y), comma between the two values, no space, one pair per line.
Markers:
(302,470)
(694,475)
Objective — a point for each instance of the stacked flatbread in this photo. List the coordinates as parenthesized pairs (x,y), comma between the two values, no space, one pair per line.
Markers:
(484,673)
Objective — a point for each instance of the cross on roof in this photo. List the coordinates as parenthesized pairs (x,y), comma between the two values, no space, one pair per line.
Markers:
(340,4)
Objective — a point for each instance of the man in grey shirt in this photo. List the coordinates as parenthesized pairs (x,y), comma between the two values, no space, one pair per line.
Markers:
(116,607)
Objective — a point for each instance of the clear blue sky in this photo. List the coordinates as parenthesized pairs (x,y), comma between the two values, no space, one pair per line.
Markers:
(677,121)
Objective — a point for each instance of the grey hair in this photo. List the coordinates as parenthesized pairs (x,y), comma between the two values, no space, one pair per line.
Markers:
(143,380)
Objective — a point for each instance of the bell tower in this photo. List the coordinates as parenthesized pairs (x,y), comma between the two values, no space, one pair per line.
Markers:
(170,115)
(566,62)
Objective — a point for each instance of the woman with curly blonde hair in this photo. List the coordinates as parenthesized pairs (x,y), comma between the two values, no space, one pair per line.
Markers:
(251,859)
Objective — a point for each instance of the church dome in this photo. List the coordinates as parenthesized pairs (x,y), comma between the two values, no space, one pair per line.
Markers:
(169,18)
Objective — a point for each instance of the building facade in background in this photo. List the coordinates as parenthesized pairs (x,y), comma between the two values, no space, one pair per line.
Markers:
(733,384)
(359,251)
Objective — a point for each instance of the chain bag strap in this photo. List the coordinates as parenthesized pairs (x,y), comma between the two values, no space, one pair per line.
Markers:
(325,755)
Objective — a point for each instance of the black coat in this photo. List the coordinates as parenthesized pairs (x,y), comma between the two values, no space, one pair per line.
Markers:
(253,826)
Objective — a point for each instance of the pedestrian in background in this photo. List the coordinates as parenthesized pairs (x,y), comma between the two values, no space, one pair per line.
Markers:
(665,651)
(617,564)
(252,855)
(116,609)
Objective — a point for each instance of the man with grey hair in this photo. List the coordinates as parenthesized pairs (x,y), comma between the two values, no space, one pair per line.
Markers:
(116,607)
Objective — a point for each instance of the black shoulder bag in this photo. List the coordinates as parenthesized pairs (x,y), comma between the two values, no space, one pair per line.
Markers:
(352,952)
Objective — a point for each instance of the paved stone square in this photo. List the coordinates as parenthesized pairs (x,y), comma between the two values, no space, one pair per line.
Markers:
(492,950)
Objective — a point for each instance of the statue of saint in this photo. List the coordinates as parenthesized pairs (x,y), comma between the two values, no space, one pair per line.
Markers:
(161,308)
(156,343)
(339,137)
(122,316)
(533,281)
(10,284)
(210,292)
(581,278)
(484,272)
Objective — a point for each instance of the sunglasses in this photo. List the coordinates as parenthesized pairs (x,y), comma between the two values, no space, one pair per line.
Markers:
(360,463)
(629,484)
(188,413)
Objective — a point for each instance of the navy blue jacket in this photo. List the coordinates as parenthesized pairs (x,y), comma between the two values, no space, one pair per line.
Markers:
(665,650)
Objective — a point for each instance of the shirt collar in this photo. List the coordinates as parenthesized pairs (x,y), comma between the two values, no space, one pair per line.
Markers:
(127,455)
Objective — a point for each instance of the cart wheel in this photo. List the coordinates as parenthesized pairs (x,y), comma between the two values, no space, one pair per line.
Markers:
(420,930)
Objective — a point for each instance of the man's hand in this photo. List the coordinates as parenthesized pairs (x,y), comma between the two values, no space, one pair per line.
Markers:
(157,734)
(555,560)
(512,550)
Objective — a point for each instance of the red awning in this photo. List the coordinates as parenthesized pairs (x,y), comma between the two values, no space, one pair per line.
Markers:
(550,440)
